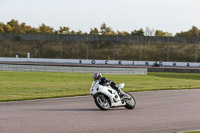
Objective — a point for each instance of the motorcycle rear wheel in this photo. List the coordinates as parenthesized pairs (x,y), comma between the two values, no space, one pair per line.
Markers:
(130,104)
(102,102)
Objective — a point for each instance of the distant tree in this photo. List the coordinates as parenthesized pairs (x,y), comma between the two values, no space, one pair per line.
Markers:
(103,28)
(94,31)
(13,22)
(139,32)
(72,32)
(79,32)
(106,30)
(119,33)
(162,33)
(14,25)
(29,29)
(2,28)
(181,34)
(112,33)
(8,29)
(193,32)
(45,29)
(126,33)
(123,33)
(22,28)
(64,30)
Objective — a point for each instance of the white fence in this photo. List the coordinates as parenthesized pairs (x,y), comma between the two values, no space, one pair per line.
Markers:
(138,71)
(100,62)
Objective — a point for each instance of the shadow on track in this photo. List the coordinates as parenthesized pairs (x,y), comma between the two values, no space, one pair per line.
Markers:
(69,109)
(78,109)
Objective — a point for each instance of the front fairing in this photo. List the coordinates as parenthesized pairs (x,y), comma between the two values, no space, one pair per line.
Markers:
(94,87)
(121,86)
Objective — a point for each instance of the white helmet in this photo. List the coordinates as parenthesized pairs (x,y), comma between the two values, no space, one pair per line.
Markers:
(97,76)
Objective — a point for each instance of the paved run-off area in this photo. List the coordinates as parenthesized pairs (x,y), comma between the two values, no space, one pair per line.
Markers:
(155,112)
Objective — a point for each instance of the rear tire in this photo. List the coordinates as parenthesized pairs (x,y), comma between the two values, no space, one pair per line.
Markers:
(102,102)
(130,104)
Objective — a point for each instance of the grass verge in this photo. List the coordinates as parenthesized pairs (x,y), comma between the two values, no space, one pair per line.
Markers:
(190,132)
(36,85)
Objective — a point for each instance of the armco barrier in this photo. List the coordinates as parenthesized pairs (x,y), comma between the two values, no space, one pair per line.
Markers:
(116,66)
(104,70)
(102,62)
(175,70)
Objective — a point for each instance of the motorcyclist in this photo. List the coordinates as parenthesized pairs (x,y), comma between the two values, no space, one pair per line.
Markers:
(103,81)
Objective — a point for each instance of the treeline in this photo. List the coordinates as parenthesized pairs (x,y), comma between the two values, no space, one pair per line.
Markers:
(14,26)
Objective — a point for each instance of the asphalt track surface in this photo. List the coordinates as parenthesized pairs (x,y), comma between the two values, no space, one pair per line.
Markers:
(155,112)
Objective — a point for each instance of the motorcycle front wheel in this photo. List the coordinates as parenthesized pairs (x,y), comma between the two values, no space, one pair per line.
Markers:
(102,102)
(130,102)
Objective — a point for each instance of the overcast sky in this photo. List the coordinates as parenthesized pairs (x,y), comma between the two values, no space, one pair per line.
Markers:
(124,15)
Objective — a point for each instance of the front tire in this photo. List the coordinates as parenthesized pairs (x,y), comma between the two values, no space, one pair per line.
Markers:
(130,103)
(102,101)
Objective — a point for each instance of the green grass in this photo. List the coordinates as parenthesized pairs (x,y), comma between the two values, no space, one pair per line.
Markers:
(190,132)
(36,85)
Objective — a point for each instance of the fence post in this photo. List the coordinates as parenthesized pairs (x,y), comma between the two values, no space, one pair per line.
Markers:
(10,45)
(10,50)
(61,51)
(195,52)
(167,52)
(140,52)
(35,48)
(87,37)
(114,52)
(87,51)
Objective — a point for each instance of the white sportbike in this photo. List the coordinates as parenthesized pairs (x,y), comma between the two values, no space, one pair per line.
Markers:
(105,97)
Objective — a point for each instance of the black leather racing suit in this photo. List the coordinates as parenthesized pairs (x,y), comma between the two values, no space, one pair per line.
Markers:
(104,81)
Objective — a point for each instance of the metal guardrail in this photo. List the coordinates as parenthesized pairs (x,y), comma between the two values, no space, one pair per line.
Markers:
(35,68)
(116,63)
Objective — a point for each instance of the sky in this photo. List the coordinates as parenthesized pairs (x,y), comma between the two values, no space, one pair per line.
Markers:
(124,15)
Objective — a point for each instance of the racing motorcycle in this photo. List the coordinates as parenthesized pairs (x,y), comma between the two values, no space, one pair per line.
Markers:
(106,97)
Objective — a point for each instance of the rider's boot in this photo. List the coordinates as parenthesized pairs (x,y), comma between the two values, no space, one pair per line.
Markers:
(121,93)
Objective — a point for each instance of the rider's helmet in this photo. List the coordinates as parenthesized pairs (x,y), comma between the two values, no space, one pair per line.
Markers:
(97,76)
